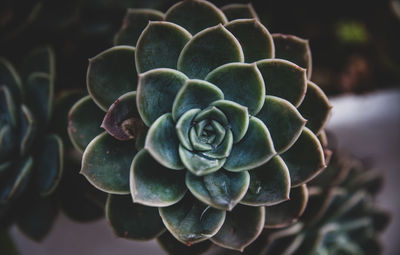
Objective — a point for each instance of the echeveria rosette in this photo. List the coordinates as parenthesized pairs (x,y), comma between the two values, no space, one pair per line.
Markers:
(203,124)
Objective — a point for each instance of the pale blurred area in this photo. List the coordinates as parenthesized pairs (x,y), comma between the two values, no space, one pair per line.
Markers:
(367,126)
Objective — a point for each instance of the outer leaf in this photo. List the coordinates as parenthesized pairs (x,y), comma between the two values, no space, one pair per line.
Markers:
(207,50)
(284,79)
(27,130)
(253,150)
(269,184)
(154,185)
(286,213)
(9,77)
(283,120)
(316,116)
(172,246)
(239,11)
(195,15)
(84,122)
(106,164)
(122,120)
(241,83)
(159,46)
(294,49)
(49,164)
(241,227)
(254,38)
(305,159)
(162,142)
(111,74)
(8,111)
(221,190)
(195,94)
(40,60)
(133,221)
(134,23)
(183,126)
(198,163)
(190,221)
(156,92)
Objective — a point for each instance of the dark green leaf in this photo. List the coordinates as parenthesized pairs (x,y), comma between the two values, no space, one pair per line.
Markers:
(9,78)
(183,126)
(27,130)
(7,144)
(8,111)
(239,11)
(198,163)
(40,60)
(169,243)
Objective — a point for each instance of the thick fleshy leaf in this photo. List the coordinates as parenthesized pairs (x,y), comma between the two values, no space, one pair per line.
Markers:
(14,185)
(284,79)
(183,126)
(159,46)
(221,190)
(135,21)
(7,143)
(8,111)
(241,227)
(212,113)
(238,117)
(254,38)
(316,116)
(162,142)
(106,163)
(305,159)
(255,149)
(269,184)
(239,11)
(40,60)
(156,92)
(131,220)
(198,163)
(224,149)
(241,83)
(154,185)
(283,121)
(122,120)
(195,15)
(9,77)
(169,243)
(195,94)
(207,50)
(286,213)
(27,130)
(191,221)
(37,222)
(84,122)
(294,49)
(111,74)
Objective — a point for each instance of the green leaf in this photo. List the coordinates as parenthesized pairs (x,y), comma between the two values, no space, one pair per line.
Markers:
(131,220)
(195,94)
(195,15)
(315,108)
(283,121)
(7,243)
(241,227)
(7,144)
(84,122)
(241,83)
(156,92)
(27,130)
(162,142)
(223,149)
(305,159)
(286,213)
(198,163)
(239,11)
(172,246)
(37,222)
(269,184)
(207,50)
(221,190)
(255,149)
(122,120)
(111,74)
(154,185)
(254,38)
(284,79)
(10,78)
(15,184)
(191,221)
(159,46)
(8,111)
(238,117)
(106,163)
(135,21)
(294,49)
(49,164)
(183,126)
(40,60)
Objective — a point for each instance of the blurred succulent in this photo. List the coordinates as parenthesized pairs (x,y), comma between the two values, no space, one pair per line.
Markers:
(192,101)
(340,218)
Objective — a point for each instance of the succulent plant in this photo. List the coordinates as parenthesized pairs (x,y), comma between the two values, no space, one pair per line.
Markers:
(207,122)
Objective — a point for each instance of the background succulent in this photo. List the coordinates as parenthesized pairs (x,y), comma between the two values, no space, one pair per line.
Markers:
(192,101)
